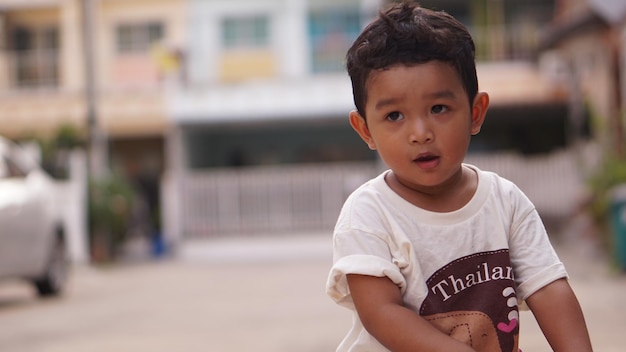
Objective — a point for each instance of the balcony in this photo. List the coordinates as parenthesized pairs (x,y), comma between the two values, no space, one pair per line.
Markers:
(31,100)
(29,70)
(506,42)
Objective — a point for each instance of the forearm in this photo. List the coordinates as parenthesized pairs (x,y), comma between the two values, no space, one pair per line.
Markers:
(560,317)
(380,307)
(400,329)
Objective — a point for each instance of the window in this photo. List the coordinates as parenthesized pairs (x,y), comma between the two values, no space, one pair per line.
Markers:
(23,39)
(331,33)
(138,38)
(50,39)
(245,32)
(34,60)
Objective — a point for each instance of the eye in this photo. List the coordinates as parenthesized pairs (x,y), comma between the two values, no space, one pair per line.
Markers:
(395,116)
(438,109)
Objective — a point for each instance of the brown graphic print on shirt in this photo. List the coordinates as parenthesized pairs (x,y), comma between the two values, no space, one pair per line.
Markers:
(473,300)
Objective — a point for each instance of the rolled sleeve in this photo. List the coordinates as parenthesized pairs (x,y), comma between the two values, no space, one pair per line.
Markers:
(337,285)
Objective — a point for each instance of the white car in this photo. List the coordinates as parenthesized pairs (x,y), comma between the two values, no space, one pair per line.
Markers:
(32,237)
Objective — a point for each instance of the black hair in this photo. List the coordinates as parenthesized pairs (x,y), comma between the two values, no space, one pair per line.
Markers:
(408,34)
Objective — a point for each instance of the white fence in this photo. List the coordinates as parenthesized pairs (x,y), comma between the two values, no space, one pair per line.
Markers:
(288,199)
(268,199)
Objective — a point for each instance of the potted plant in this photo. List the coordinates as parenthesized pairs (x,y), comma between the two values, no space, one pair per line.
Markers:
(110,211)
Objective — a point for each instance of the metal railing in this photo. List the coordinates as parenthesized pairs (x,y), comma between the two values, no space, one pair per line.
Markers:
(32,68)
(288,199)
(268,199)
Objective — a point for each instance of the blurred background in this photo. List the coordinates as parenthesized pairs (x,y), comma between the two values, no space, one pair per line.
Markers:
(170,123)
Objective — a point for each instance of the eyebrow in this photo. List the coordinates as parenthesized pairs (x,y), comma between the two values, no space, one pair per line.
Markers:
(446,94)
(441,94)
(385,102)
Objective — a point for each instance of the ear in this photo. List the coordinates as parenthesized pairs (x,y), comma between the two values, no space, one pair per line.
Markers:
(479,110)
(360,126)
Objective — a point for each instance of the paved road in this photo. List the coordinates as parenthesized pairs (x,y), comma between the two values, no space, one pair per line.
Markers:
(258,295)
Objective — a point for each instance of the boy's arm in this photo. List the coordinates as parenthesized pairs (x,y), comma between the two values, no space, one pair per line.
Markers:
(560,317)
(378,302)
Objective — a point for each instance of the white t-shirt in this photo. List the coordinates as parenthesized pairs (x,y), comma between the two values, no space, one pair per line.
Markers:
(464,271)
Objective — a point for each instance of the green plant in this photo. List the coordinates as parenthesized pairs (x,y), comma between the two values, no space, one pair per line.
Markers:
(68,137)
(611,173)
(110,211)
(54,149)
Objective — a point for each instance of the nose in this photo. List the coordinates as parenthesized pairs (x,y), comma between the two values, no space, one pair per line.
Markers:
(420,132)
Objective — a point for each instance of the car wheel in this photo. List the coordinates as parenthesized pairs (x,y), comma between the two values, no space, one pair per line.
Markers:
(53,280)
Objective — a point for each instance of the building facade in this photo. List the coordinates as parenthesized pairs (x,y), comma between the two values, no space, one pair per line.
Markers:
(237,109)
(587,41)
(260,141)
(92,65)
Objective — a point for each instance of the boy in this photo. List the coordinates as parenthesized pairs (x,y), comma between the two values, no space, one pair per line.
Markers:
(434,254)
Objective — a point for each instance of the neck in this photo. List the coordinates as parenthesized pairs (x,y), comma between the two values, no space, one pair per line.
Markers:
(449,196)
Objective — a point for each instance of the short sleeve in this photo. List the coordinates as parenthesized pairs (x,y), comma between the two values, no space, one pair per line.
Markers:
(532,255)
(359,252)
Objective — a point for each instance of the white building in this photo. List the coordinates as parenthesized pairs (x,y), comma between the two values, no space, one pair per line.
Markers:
(260,140)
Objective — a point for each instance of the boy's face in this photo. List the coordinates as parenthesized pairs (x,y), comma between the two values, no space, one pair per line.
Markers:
(420,122)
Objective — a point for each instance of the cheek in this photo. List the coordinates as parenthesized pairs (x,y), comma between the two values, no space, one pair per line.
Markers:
(457,141)
(386,146)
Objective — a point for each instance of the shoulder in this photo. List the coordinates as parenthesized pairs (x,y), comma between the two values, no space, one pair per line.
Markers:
(372,192)
(503,193)
(367,197)
(370,208)
(497,184)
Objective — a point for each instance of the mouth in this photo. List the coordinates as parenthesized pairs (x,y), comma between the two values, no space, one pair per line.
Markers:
(427,161)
